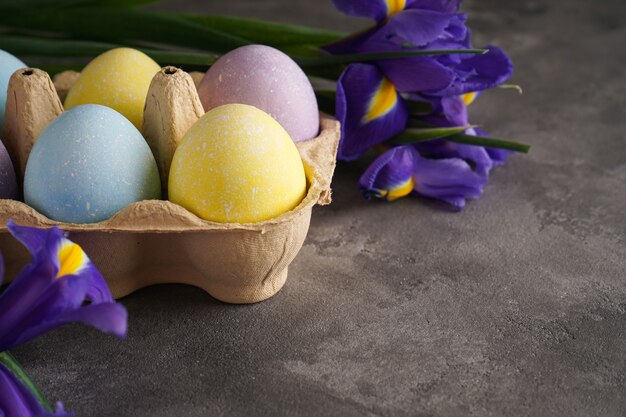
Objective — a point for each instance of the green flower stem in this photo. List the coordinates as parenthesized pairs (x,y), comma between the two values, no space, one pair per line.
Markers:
(413,135)
(465,139)
(13,365)
(426,134)
(489,142)
(332,60)
(418,107)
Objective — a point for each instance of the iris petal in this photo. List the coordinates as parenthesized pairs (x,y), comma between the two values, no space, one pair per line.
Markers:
(24,292)
(369,108)
(442,149)
(395,6)
(401,190)
(374,9)
(451,180)
(455,110)
(469,98)
(32,238)
(17,400)
(1,270)
(390,176)
(106,317)
(448,6)
(72,258)
(415,27)
(384,99)
(416,73)
(64,294)
(498,156)
(52,291)
(478,73)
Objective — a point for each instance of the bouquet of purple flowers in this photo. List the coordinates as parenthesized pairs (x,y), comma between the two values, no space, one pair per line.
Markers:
(415,107)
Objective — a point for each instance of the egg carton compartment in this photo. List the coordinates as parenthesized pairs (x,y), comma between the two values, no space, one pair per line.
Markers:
(156,241)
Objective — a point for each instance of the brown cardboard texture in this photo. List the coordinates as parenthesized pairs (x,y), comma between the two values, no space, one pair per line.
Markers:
(156,241)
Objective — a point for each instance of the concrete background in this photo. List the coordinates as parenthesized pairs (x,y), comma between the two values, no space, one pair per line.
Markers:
(514,307)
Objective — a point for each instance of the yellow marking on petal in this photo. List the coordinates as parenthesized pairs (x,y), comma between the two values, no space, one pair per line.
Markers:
(401,191)
(72,258)
(469,97)
(383,101)
(395,6)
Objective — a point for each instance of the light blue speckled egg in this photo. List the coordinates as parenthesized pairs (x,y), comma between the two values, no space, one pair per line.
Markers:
(8,65)
(87,165)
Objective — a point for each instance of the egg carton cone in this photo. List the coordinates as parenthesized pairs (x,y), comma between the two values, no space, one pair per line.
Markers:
(156,241)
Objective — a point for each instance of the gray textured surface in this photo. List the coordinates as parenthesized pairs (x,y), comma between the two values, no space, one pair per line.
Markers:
(515,307)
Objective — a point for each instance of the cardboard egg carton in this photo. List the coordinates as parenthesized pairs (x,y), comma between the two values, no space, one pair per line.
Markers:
(157,241)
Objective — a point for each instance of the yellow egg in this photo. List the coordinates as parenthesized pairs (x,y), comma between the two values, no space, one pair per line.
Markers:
(119,79)
(237,165)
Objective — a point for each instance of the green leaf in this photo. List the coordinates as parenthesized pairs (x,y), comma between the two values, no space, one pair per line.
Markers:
(121,3)
(31,46)
(64,4)
(417,107)
(186,59)
(475,140)
(326,100)
(124,25)
(333,60)
(266,32)
(38,4)
(53,69)
(490,142)
(515,87)
(416,135)
(328,73)
(14,366)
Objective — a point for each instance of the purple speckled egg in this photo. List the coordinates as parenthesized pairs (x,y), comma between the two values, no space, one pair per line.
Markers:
(268,79)
(8,181)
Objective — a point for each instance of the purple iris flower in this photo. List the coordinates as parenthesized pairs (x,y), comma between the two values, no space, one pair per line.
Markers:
(17,401)
(369,108)
(423,25)
(401,171)
(60,286)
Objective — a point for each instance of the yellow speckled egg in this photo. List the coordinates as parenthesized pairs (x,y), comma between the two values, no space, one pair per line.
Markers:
(237,165)
(119,79)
